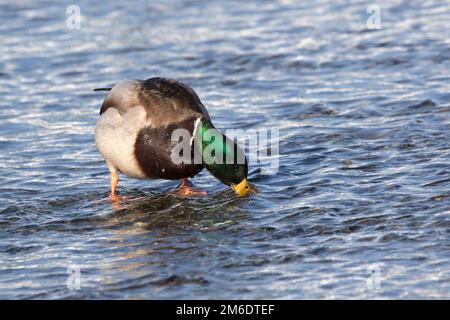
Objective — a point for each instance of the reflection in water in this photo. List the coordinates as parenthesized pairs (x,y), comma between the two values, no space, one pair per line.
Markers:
(158,218)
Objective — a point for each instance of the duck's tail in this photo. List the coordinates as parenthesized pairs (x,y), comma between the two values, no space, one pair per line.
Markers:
(102,89)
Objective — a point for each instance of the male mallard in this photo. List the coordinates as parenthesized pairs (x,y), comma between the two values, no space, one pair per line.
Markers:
(134,135)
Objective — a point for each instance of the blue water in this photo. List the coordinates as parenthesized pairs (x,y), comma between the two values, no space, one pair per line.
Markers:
(358,209)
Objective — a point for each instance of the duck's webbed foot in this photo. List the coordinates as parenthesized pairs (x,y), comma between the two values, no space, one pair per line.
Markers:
(185,189)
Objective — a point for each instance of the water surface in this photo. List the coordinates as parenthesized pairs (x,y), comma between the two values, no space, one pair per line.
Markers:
(359,207)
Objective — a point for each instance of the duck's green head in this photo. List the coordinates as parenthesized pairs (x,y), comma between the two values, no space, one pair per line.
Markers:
(223,158)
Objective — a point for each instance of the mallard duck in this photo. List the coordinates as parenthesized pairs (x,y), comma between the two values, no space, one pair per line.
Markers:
(134,136)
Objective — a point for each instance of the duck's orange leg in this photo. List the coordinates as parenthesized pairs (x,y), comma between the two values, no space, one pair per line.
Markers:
(186,189)
(113,182)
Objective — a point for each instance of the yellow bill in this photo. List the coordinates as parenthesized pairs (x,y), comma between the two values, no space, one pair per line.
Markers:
(242,188)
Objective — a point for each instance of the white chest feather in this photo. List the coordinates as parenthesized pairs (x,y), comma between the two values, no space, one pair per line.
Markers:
(115,137)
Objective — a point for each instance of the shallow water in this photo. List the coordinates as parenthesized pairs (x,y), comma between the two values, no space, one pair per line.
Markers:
(358,209)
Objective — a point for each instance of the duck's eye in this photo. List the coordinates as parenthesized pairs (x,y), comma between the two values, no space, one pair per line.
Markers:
(247,187)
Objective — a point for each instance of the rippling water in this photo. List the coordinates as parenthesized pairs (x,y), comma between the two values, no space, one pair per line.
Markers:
(358,209)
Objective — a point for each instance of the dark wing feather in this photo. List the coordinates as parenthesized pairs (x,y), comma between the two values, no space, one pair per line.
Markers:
(168,101)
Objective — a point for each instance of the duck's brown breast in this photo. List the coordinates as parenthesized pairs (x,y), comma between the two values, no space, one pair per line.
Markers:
(154,152)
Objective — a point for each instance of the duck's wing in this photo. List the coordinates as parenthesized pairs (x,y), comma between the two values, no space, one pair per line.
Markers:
(168,101)
(165,101)
(123,96)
